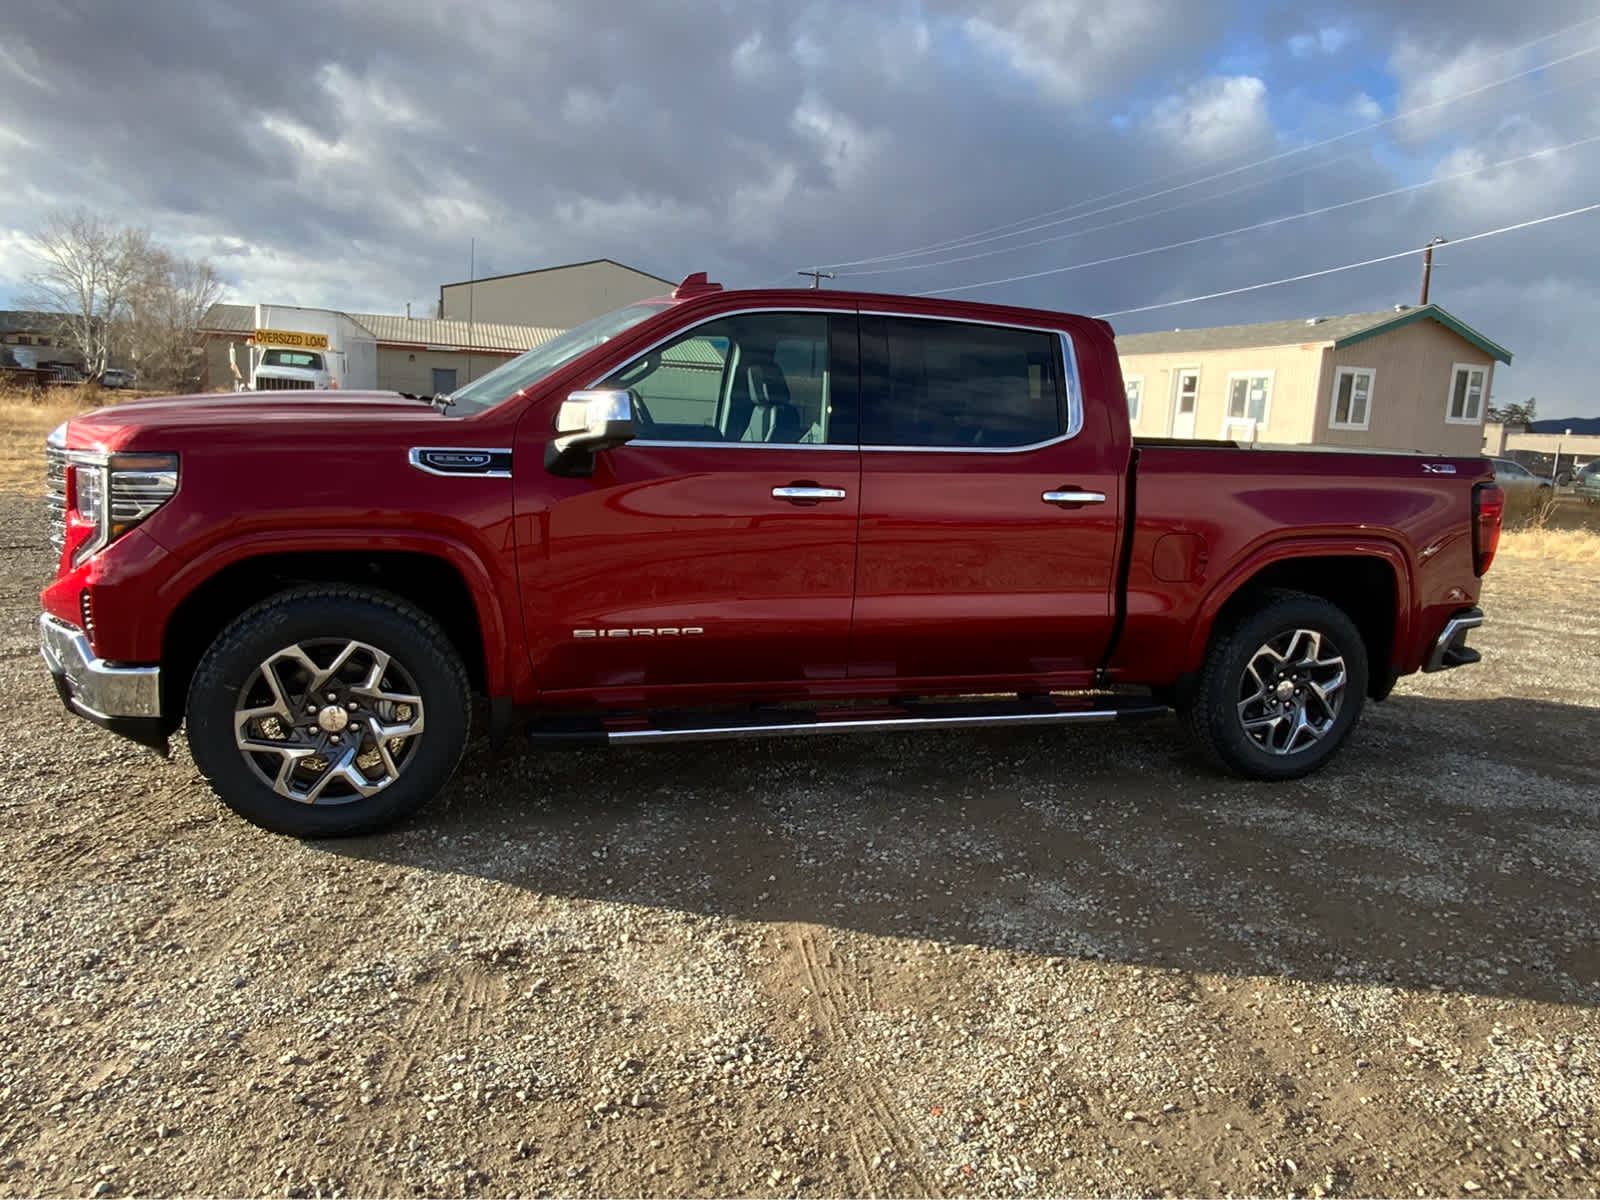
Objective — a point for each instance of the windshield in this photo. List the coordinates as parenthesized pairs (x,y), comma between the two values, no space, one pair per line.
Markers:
(292,358)
(510,378)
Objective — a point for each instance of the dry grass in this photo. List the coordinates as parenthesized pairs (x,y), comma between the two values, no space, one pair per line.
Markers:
(25,420)
(1557,545)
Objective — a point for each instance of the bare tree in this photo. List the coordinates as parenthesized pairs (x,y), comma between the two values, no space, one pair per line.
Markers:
(161,331)
(89,270)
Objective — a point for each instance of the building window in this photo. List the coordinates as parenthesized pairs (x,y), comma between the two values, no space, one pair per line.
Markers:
(1135,386)
(1249,397)
(1352,398)
(1465,406)
(24,340)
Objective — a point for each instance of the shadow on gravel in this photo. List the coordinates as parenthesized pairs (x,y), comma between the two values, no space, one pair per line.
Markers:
(1454,844)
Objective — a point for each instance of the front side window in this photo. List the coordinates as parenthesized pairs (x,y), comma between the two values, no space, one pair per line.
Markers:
(1135,390)
(755,378)
(1352,398)
(1249,397)
(952,385)
(1466,394)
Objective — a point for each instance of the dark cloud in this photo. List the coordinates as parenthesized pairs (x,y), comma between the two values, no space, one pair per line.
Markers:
(346,151)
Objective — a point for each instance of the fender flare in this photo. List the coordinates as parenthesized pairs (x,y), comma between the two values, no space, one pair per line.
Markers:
(505,673)
(1286,550)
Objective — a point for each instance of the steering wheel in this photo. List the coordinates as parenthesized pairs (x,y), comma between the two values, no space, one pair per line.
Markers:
(640,411)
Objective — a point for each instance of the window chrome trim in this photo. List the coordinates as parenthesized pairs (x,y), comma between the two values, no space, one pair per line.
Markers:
(1075,416)
(1069,355)
(656,444)
(414,457)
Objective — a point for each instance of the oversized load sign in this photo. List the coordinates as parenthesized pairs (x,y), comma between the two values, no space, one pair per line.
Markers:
(288,337)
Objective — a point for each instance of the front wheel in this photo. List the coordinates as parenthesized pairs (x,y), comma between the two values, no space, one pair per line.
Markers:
(1281,688)
(328,711)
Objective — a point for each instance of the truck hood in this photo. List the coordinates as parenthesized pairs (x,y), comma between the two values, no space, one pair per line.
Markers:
(166,422)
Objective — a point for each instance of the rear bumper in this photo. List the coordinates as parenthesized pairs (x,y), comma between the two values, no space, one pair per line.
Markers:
(123,699)
(1450,649)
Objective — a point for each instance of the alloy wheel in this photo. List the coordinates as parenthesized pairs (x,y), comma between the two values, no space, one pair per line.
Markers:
(1291,691)
(328,721)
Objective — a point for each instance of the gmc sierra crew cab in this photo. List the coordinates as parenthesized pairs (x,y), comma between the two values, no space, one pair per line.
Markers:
(732,514)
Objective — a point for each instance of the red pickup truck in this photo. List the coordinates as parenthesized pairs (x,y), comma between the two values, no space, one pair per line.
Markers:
(726,514)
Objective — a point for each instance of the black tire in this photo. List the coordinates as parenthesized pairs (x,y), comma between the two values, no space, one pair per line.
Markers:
(1227,694)
(419,683)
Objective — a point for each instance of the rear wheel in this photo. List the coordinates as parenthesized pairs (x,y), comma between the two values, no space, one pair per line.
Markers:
(1281,688)
(328,711)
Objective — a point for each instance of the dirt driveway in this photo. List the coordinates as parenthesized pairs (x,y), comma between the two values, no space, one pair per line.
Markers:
(993,964)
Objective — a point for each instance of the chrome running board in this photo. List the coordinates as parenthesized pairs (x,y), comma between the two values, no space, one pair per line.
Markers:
(674,726)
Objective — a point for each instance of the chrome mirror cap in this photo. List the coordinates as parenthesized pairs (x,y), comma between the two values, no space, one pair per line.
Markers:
(594,419)
(589,421)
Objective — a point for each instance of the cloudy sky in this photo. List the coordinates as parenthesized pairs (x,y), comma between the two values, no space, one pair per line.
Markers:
(346,152)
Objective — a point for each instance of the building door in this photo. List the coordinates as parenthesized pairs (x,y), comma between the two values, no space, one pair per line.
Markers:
(1185,396)
(444,380)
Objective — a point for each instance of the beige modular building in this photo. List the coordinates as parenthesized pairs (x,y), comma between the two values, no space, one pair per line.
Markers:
(1411,378)
(552,297)
(423,356)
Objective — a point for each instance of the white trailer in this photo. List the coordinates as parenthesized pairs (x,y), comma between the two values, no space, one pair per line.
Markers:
(297,349)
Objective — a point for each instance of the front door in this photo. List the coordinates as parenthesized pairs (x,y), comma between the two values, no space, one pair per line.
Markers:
(1185,396)
(717,548)
(989,513)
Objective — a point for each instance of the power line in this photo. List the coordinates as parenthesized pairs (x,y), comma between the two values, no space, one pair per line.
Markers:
(1314,212)
(1133,220)
(1256,287)
(995,233)
(1259,225)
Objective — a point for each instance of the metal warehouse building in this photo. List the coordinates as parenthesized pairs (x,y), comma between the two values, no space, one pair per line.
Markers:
(415,354)
(481,324)
(556,297)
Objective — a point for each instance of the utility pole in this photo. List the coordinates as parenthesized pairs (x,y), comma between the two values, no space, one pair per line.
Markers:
(1427,265)
(816,277)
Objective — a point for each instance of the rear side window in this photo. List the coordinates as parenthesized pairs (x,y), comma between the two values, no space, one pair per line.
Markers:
(953,385)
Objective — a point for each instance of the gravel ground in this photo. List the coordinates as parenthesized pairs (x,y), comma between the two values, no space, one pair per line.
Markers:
(987,964)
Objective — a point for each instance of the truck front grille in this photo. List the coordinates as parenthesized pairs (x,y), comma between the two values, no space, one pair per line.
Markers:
(55,500)
(265,383)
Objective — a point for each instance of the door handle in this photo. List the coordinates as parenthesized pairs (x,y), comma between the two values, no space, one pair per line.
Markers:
(806,493)
(1074,497)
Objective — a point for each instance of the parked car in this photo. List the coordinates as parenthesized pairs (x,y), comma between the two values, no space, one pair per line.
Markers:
(115,377)
(1526,493)
(726,514)
(1586,486)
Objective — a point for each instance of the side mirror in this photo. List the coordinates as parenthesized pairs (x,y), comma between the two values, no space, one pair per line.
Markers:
(588,422)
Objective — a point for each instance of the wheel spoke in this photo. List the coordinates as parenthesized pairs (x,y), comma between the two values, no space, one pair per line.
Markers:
(323,760)
(1285,676)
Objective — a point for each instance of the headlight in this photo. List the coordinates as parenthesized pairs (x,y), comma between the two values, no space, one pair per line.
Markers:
(112,494)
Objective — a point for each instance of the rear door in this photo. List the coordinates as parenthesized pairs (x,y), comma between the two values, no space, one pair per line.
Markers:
(719,546)
(989,523)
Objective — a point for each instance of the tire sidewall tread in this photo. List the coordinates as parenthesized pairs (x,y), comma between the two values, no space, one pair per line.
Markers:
(413,638)
(1210,710)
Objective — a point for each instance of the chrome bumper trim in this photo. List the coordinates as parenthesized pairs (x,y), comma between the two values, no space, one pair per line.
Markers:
(1452,642)
(93,687)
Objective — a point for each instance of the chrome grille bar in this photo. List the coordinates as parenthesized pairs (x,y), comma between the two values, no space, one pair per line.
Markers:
(55,501)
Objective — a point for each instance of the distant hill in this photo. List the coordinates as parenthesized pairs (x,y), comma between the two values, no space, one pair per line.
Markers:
(1586,425)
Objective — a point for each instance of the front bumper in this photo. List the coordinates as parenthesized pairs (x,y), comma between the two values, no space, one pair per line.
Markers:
(1450,648)
(123,699)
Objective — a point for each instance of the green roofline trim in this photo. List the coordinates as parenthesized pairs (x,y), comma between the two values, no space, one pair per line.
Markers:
(1431,312)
